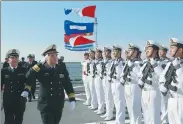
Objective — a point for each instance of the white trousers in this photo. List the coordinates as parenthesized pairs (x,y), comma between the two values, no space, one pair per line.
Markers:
(93,92)
(87,89)
(151,106)
(108,97)
(164,111)
(119,101)
(133,102)
(100,94)
(175,110)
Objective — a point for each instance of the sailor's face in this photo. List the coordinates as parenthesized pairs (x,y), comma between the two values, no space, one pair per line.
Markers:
(13,60)
(116,53)
(106,53)
(161,53)
(92,55)
(86,57)
(98,54)
(149,51)
(130,52)
(30,59)
(173,50)
(52,57)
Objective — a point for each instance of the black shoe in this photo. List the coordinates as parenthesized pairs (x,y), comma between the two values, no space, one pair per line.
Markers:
(30,100)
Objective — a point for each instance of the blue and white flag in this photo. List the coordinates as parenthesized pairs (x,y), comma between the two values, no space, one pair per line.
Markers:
(78,28)
(79,47)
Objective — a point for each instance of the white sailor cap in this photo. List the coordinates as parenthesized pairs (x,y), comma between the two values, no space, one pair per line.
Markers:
(176,42)
(151,43)
(107,49)
(162,47)
(117,47)
(132,46)
(98,49)
(91,50)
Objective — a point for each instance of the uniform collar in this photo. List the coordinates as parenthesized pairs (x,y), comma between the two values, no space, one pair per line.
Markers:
(13,67)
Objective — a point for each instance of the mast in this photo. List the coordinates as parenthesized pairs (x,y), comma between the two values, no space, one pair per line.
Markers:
(96,23)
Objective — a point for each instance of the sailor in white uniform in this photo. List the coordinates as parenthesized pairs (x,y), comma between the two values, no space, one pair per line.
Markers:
(172,81)
(116,86)
(91,73)
(98,81)
(149,82)
(129,79)
(107,85)
(85,77)
(164,98)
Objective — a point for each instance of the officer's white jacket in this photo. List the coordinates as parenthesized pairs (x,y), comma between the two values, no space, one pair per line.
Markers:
(155,75)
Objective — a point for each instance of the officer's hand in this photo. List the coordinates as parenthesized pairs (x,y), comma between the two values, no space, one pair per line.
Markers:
(176,62)
(163,88)
(44,59)
(25,94)
(72,105)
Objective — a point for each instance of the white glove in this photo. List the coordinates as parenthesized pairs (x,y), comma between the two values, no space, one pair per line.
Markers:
(122,80)
(140,82)
(44,59)
(176,62)
(162,88)
(25,94)
(130,63)
(72,105)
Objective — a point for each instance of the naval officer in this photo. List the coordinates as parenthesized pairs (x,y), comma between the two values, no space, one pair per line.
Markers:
(16,89)
(53,79)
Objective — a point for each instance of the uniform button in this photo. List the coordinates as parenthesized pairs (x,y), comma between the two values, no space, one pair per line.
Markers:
(59,82)
(11,91)
(51,88)
(51,82)
(59,94)
(11,82)
(51,94)
(18,82)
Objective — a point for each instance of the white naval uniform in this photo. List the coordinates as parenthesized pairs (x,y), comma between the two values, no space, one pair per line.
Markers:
(164,99)
(151,96)
(107,90)
(118,92)
(85,78)
(133,92)
(92,85)
(175,102)
(99,86)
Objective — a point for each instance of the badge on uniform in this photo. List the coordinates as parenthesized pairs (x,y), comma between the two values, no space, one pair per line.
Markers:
(46,74)
(7,76)
(61,75)
(20,74)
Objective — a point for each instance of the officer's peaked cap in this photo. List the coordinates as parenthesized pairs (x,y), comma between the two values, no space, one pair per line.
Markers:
(91,50)
(117,47)
(12,52)
(98,50)
(51,48)
(30,56)
(132,46)
(176,42)
(162,47)
(107,48)
(151,43)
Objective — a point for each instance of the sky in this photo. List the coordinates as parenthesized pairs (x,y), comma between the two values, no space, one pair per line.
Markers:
(32,26)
